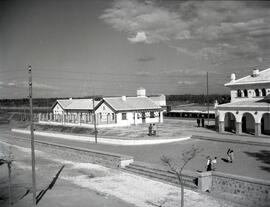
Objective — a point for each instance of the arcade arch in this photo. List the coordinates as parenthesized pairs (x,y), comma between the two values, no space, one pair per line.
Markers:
(248,123)
(229,122)
(265,124)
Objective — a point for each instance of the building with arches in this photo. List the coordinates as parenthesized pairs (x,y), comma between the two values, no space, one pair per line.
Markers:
(249,109)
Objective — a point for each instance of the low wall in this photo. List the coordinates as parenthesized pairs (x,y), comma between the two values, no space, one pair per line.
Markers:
(97,157)
(107,159)
(253,192)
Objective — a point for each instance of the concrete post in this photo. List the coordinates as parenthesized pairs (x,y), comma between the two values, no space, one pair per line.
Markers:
(205,181)
(221,126)
(135,117)
(79,115)
(238,127)
(258,129)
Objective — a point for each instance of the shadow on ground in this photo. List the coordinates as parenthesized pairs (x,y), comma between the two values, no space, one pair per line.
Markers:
(263,156)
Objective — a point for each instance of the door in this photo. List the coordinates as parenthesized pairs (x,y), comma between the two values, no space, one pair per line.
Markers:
(143,117)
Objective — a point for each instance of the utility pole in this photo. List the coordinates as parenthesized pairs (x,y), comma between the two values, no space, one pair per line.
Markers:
(94,119)
(207,91)
(32,137)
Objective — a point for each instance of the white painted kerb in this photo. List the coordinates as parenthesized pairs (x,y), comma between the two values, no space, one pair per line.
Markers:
(103,140)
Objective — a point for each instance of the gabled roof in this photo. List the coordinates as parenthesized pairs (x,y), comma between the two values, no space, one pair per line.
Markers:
(262,77)
(76,104)
(131,103)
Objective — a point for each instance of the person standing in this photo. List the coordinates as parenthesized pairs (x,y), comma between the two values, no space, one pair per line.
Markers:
(198,122)
(202,122)
(214,163)
(231,156)
(228,155)
(209,164)
(154,129)
(150,130)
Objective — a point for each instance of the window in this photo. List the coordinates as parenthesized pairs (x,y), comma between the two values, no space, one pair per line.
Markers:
(124,116)
(104,108)
(112,116)
(257,92)
(239,93)
(263,92)
(152,114)
(245,93)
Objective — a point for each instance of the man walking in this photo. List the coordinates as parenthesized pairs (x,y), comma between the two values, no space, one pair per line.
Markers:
(198,122)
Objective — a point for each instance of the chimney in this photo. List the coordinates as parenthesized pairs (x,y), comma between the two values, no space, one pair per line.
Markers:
(124,98)
(141,92)
(255,72)
(233,77)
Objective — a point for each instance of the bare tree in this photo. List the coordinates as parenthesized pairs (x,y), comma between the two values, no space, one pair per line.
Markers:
(187,156)
(7,159)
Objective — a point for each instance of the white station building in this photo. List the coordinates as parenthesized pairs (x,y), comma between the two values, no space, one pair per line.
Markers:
(249,109)
(109,112)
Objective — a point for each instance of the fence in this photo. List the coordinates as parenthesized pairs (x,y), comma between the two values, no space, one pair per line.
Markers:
(76,118)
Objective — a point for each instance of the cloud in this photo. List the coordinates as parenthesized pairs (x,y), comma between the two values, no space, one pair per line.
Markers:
(25,84)
(140,37)
(11,84)
(184,72)
(142,73)
(223,29)
(145,21)
(186,83)
(146,59)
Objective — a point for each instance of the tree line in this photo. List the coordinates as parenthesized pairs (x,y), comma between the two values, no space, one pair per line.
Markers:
(171,100)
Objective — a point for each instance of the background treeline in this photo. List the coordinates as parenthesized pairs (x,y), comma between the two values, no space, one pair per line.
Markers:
(199,99)
(171,100)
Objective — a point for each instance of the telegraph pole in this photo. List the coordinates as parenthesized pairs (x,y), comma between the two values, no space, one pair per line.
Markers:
(32,137)
(94,119)
(207,91)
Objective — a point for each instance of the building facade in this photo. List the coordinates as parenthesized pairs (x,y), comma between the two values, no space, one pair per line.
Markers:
(108,112)
(126,111)
(249,109)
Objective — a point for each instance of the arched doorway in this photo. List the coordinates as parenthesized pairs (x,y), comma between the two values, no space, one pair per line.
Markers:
(229,122)
(265,124)
(248,123)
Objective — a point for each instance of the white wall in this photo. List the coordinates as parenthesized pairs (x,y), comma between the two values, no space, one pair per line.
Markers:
(250,89)
(57,109)
(104,110)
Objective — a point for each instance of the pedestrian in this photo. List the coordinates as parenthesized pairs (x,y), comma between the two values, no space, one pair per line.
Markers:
(214,163)
(228,155)
(202,122)
(198,122)
(154,129)
(209,164)
(231,156)
(150,130)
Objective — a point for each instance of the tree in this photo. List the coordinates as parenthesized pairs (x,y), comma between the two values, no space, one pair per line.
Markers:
(187,156)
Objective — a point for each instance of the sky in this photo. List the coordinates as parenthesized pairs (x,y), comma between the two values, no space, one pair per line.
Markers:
(103,47)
